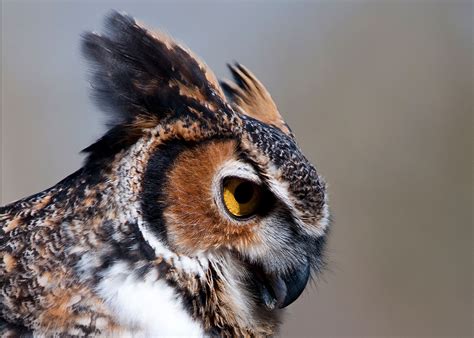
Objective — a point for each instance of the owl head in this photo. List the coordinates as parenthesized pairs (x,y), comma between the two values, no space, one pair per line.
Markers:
(214,170)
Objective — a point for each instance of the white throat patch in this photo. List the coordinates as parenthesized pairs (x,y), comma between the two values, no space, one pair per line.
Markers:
(147,306)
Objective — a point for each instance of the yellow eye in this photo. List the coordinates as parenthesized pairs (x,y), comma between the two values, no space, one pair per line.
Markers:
(241,197)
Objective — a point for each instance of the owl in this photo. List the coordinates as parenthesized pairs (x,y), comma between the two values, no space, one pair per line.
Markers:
(196,214)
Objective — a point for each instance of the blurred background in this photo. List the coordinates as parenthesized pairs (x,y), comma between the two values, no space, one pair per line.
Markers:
(379,95)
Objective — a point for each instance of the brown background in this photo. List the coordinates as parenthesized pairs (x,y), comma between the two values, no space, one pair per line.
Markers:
(380,96)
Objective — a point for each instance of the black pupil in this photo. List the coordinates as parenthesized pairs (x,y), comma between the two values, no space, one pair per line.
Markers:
(243,192)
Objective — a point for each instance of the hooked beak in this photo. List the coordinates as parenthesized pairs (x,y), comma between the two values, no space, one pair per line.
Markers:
(280,290)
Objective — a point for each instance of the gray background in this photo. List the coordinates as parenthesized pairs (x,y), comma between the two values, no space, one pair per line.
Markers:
(380,96)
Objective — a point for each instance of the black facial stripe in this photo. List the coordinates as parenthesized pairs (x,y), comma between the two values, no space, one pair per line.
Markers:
(154,182)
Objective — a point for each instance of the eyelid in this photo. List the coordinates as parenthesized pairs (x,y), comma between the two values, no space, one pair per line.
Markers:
(239,169)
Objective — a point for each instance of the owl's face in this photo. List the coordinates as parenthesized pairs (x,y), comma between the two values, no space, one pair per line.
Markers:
(234,195)
(223,176)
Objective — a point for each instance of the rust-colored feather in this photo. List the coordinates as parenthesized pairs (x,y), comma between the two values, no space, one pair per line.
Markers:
(251,98)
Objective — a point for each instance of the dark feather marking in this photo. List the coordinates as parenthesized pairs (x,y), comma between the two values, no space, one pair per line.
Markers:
(153,199)
(12,330)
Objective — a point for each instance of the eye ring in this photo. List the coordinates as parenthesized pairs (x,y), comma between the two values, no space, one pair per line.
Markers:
(242,198)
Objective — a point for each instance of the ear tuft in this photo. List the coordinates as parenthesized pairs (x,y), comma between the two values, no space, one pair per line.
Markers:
(138,73)
(143,78)
(250,97)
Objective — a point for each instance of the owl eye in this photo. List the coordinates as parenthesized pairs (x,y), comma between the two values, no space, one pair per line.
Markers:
(242,198)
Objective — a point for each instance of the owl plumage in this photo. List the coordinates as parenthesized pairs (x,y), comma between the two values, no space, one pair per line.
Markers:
(195,214)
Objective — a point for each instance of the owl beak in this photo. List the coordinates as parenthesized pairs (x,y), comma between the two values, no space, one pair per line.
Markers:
(282,290)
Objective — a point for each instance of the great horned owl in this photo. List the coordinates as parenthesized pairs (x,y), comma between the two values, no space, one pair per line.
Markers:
(195,214)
